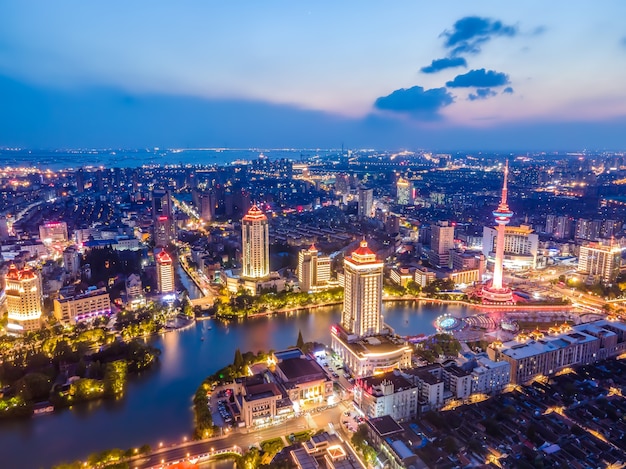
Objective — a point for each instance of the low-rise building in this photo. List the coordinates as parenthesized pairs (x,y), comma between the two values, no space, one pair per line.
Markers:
(88,305)
(535,354)
(304,380)
(387,394)
(366,356)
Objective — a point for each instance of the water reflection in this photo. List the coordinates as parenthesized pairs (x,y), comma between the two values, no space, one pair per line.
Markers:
(157,405)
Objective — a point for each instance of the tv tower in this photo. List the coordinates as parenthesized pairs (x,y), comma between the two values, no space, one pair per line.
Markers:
(497,291)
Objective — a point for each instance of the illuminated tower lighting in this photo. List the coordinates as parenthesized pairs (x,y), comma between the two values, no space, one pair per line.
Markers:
(497,291)
(255,245)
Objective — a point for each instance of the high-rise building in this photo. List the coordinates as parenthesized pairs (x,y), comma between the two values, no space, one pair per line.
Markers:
(497,291)
(24,301)
(71,262)
(366,201)
(550,224)
(165,273)
(255,245)
(363,288)
(441,241)
(601,261)
(563,227)
(405,192)
(313,269)
(163,218)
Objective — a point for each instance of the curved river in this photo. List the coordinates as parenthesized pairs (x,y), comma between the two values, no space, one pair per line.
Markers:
(157,405)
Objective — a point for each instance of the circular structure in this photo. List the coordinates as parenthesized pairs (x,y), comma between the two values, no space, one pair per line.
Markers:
(449,324)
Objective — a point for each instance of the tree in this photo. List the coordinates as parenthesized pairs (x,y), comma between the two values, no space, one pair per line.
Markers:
(238,361)
(300,341)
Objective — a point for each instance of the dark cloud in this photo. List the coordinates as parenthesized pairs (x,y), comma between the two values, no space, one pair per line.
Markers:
(469,33)
(482,93)
(507,90)
(416,101)
(480,78)
(441,64)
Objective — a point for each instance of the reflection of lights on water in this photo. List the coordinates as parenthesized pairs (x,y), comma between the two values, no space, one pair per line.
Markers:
(447,322)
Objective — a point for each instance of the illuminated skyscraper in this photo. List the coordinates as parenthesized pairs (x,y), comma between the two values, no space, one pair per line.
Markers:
(255,245)
(313,269)
(497,291)
(165,273)
(363,288)
(366,200)
(405,192)
(163,218)
(24,301)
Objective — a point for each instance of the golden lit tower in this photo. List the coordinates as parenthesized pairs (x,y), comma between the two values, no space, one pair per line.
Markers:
(362,301)
(165,273)
(255,245)
(23,293)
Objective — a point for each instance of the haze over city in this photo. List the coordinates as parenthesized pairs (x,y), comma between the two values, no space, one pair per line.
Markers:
(448,75)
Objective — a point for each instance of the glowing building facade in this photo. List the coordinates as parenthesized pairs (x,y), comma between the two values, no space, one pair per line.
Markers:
(255,245)
(497,291)
(24,302)
(165,273)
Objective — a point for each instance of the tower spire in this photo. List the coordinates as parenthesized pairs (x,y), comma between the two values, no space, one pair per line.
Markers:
(505,191)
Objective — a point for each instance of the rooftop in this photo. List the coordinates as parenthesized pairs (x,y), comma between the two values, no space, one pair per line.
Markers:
(385,425)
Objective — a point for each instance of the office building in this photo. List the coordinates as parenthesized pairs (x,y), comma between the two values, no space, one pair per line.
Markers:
(164,227)
(386,394)
(366,202)
(255,245)
(89,305)
(53,232)
(441,242)
(313,269)
(600,262)
(165,273)
(23,299)
(405,192)
(363,284)
(521,246)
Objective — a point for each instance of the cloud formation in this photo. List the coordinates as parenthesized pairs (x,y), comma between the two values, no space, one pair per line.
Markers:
(480,78)
(481,93)
(469,33)
(416,101)
(507,90)
(441,64)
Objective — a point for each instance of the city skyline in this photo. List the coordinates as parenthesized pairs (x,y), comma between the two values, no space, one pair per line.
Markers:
(447,76)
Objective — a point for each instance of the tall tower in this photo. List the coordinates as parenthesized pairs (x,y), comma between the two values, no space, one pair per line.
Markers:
(313,269)
(23,293)
(497,291)
(165,273)
(163,218)
(255,245)
(362,300)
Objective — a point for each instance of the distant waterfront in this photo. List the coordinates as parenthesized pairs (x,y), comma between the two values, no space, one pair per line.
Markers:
(64,159)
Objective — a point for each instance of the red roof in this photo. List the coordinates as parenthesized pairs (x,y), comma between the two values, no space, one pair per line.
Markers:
(15,274)
(255,213)
(163,257)
(363,250)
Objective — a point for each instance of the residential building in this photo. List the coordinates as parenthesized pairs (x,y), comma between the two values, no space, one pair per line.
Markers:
(386,394)
(405,192)
(366,202)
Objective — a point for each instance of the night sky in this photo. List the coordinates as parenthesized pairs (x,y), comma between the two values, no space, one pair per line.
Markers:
(447,75)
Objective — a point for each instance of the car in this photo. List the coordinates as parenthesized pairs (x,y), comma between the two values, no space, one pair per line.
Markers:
(335,375)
